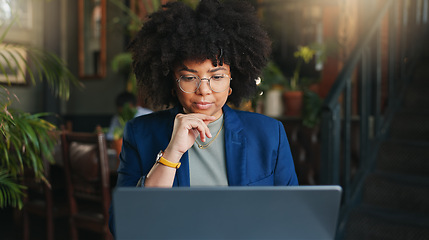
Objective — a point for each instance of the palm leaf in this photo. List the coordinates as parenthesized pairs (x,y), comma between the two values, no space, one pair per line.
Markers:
(31,62)
(11,193)
(22,129)
(47,66)
(12,57)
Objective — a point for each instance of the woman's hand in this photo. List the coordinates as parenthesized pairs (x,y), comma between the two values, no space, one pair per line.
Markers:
(186,129)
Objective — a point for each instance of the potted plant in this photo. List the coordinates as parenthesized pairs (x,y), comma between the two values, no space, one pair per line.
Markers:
(25,139)
(297,84)
(293,94)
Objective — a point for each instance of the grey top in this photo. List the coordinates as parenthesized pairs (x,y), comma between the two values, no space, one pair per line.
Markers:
(207,166)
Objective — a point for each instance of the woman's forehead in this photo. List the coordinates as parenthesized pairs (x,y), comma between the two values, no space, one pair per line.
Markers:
(196,63)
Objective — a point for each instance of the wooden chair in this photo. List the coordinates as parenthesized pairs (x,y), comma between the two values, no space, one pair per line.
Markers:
(44,199)
(87,180)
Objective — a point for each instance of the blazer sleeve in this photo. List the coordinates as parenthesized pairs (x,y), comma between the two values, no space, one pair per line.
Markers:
(130,168)
(285,169)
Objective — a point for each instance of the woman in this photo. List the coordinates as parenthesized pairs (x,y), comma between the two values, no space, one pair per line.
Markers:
(197,61)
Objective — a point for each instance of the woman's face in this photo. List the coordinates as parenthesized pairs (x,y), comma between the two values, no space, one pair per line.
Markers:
(204,99)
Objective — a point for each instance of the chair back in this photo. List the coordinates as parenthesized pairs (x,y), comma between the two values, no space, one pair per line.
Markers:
(87,178)
(44,197)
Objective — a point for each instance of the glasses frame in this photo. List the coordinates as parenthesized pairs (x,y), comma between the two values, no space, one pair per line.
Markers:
(200,80)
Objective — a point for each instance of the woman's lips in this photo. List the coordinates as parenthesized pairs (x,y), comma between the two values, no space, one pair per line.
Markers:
(203,105)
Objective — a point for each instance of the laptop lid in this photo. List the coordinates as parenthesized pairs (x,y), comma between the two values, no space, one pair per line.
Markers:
(298,212)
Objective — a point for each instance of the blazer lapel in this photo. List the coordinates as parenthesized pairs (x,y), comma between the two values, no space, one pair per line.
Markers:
(235,148)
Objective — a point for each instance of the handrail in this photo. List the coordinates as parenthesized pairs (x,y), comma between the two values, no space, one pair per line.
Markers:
(331,109)
(355,56)
(362,75)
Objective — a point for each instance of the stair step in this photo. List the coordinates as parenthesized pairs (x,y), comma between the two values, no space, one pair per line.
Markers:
(404,157)
(369,222)
(397,191)
(410,126)
(416,99)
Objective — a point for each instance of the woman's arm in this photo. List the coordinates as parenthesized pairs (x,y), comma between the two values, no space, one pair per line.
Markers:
(186,129)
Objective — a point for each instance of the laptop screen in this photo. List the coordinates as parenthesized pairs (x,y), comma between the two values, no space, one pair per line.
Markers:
(295,212)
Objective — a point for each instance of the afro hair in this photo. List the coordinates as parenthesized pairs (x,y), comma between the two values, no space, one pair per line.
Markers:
(223,31)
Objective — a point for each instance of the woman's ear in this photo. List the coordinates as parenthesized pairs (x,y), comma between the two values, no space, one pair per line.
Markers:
(230,91)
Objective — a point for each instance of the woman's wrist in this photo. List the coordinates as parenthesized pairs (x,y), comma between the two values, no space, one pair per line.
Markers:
(172,155)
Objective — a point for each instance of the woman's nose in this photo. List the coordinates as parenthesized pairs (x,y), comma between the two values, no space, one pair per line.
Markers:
(204,87)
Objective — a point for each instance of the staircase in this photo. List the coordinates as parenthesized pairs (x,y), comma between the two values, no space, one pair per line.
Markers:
(395,197)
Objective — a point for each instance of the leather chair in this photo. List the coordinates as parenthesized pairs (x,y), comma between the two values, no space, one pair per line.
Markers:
(45,199)
(87,180)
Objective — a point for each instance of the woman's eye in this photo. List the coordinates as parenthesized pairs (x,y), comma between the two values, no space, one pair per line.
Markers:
(189,78)
(218,77)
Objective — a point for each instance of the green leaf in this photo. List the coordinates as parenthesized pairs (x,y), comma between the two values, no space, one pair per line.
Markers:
(47,66)
(11,193)
(122,63)
(312,105)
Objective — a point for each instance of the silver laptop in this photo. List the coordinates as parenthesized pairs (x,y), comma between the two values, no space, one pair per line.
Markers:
(299,212)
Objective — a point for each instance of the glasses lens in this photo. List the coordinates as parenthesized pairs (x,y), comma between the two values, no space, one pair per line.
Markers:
(188,83)
(219,82)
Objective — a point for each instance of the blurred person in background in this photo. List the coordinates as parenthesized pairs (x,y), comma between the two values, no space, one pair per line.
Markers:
(126,104)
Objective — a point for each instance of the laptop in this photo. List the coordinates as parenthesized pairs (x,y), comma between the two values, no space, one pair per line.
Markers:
(286,212)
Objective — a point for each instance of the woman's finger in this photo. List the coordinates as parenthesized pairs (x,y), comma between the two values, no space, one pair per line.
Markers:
(199,121)
(186,129)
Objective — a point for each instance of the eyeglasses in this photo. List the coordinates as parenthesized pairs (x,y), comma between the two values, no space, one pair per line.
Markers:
(190,83)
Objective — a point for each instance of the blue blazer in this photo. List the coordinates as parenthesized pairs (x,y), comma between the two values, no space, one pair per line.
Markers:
(256,149)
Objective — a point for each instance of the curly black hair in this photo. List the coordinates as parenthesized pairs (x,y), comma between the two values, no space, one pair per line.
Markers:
(222,31)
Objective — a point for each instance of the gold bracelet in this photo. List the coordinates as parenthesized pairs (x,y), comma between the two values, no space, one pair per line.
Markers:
(160,159)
